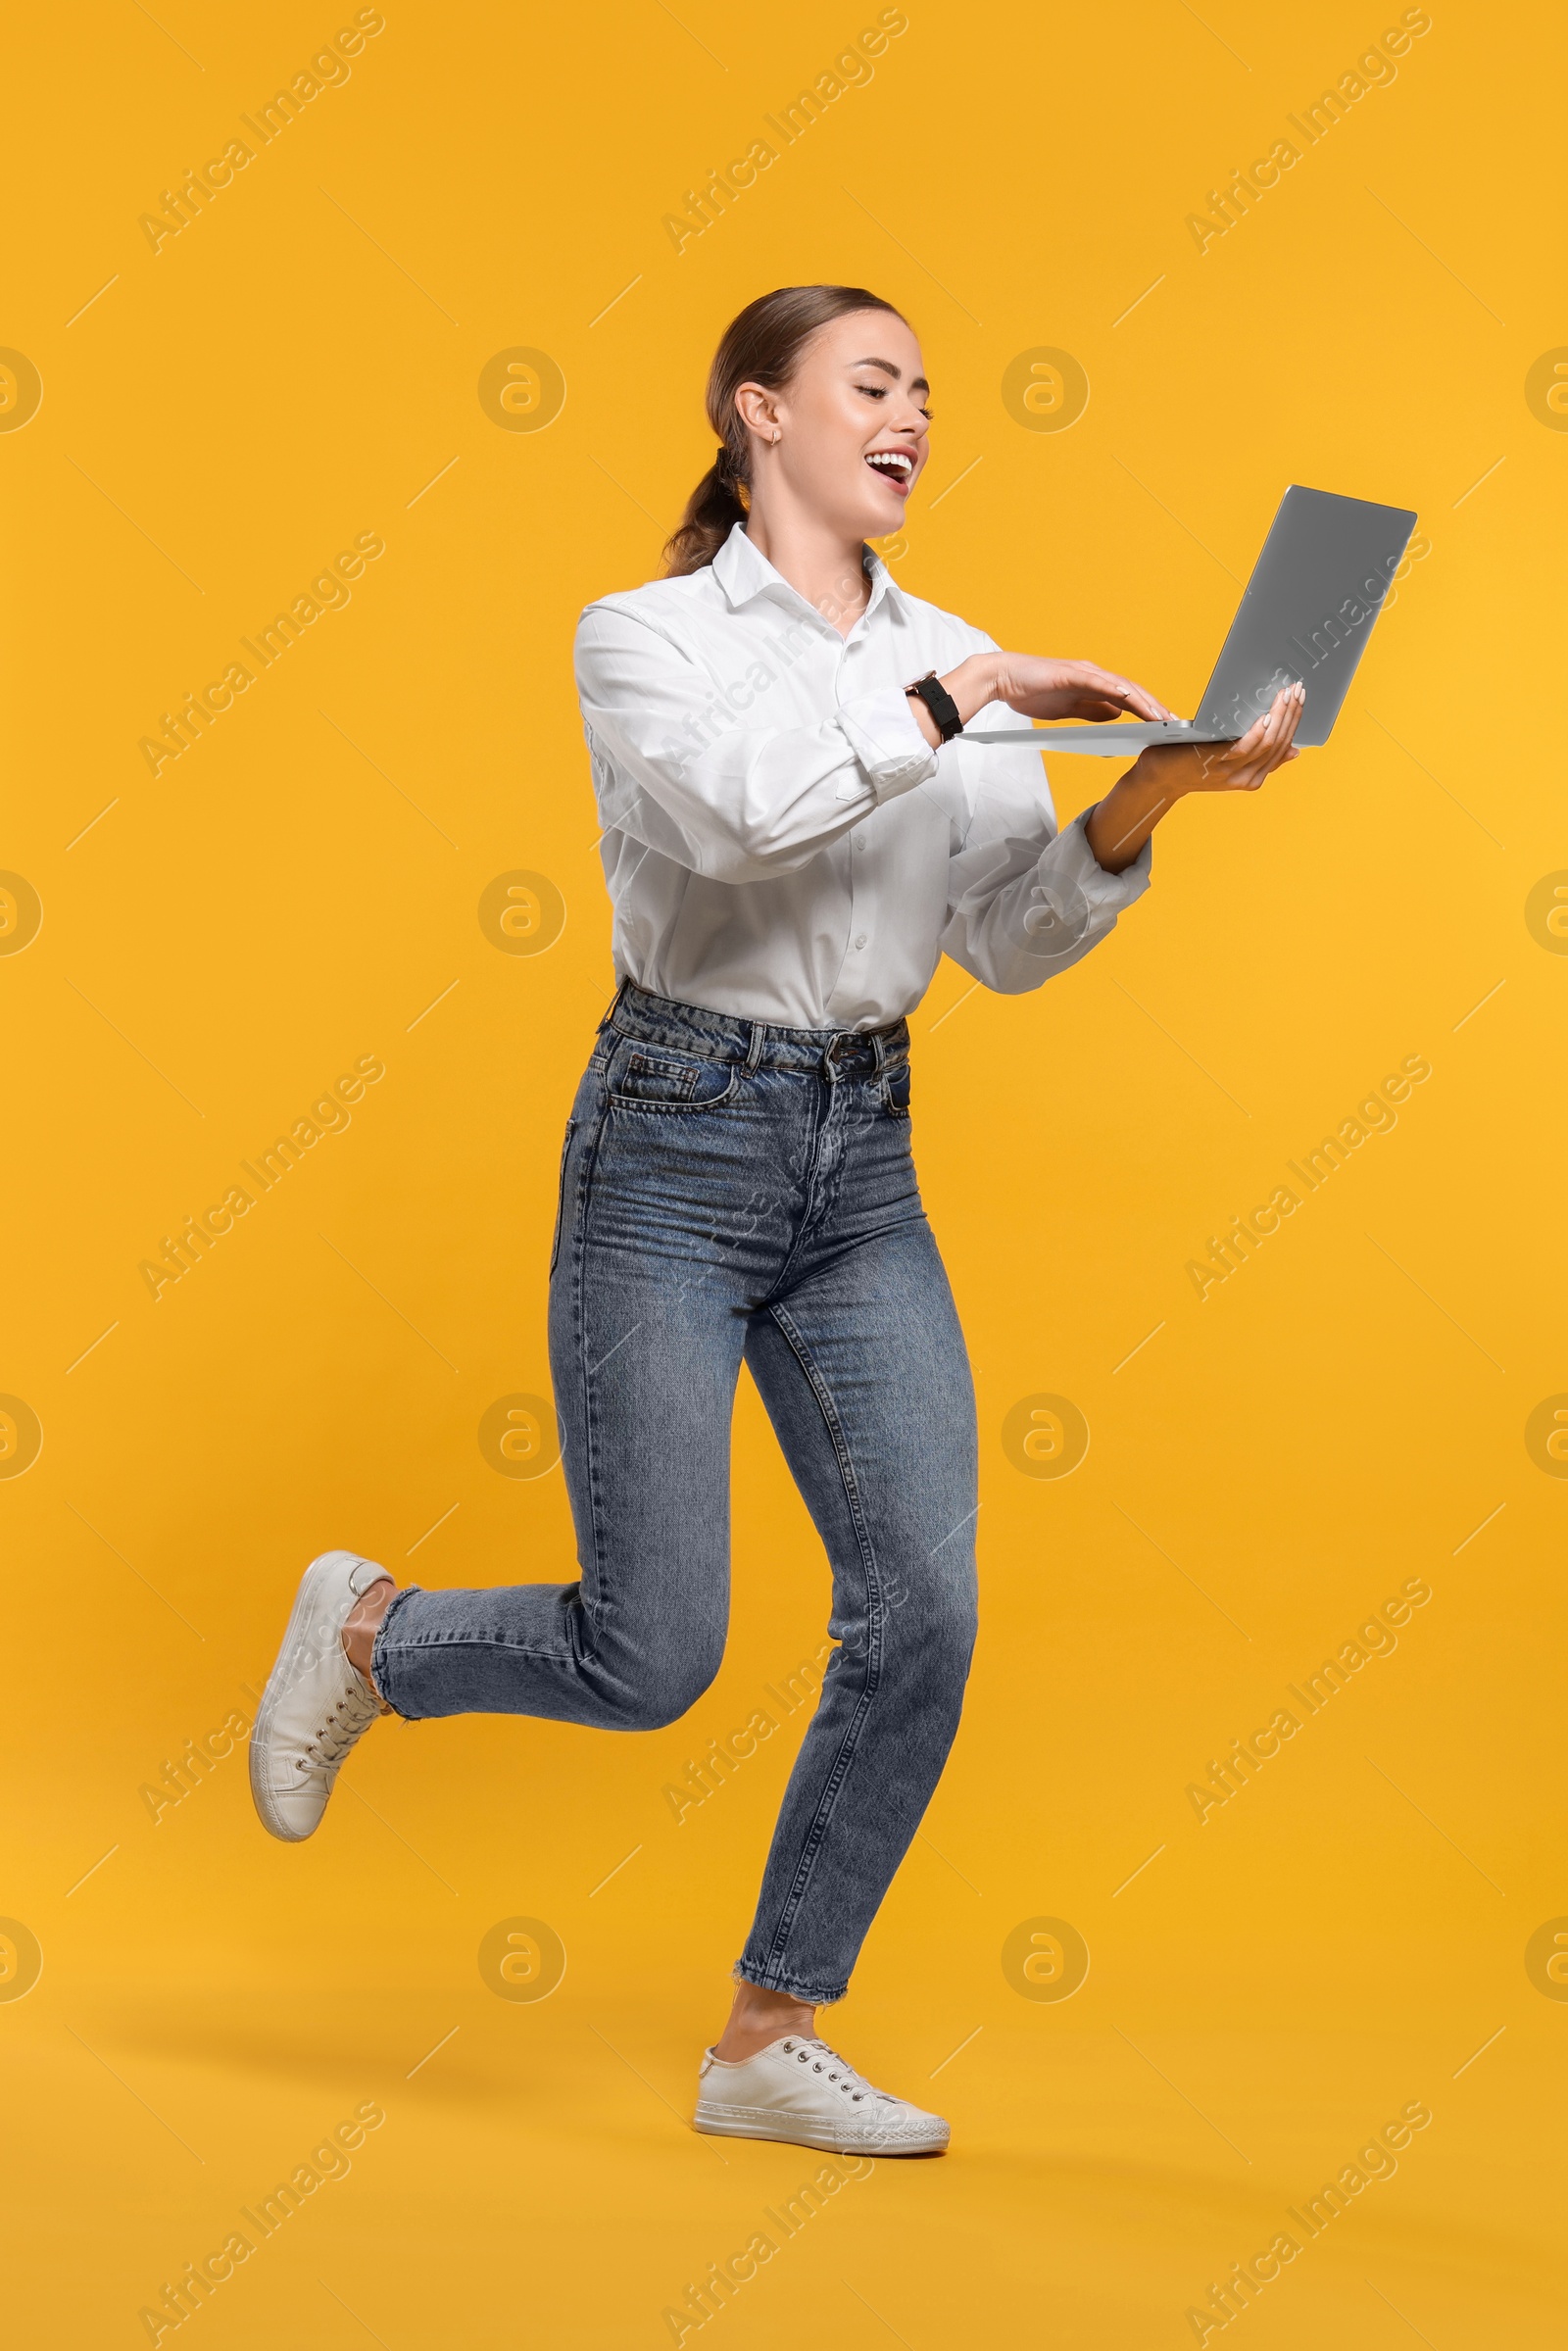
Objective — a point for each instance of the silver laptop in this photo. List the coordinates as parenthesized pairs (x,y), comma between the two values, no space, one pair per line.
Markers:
(1307,614)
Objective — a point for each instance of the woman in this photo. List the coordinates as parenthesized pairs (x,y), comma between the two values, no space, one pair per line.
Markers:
(793,830)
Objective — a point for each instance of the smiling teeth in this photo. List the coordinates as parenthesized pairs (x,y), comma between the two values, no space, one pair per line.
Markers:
(892,460)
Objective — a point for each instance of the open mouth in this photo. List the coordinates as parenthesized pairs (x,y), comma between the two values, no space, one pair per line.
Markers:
(895,465)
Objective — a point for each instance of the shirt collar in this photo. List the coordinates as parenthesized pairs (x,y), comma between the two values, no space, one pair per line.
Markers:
(743,572)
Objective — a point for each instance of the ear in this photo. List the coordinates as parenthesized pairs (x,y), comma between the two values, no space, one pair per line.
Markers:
(757,410)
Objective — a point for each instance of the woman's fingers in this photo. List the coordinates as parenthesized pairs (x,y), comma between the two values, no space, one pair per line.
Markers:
(1295,701)
(1278,728)
(1127,696)
(1243,765)
(1242,753)
(1052,688)
(1272,719)
(1146,705)
(1270,745)
(1288,706)
(1240,766)
(1257,755)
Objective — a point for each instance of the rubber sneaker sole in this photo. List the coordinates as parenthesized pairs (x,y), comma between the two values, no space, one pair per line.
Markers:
(800,2130)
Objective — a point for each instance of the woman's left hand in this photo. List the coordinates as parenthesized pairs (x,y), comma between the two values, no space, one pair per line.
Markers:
(1240,767)
(1165,772)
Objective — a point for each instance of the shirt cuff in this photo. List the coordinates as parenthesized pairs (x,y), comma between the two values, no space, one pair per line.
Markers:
(1071,858)
(886,738)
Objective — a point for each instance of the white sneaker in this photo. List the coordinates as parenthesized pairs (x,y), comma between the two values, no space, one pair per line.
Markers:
(315,1705)
(804,2091)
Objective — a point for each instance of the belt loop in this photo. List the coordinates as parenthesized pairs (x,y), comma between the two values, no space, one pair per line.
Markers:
(614,1007)
(880,1050)
(754,1051)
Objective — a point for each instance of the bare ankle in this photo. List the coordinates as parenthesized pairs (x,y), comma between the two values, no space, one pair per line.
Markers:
(759,2017)
(363,1622)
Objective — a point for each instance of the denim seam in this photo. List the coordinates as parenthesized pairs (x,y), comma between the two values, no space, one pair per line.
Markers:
(714,1102)
(380,1644)
(653,1049)
(657,1058)
(697,1051)
(818,1831)
(478,1641)
(579,1335)
(769,1979)
(810,1214)
(560,1194)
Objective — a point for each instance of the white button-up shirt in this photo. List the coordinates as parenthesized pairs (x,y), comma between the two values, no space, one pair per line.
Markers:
(781,842)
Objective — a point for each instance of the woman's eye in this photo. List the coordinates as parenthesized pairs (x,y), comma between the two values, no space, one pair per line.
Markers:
(873,391)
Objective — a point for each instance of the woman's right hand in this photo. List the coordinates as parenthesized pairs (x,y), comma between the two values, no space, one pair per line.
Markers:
(1043,687)
(1040,687)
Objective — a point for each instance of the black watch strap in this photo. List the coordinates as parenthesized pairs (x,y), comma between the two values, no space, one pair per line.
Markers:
(940,702)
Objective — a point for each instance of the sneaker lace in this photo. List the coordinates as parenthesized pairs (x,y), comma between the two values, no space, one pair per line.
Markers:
(838,2070)
(356,1709)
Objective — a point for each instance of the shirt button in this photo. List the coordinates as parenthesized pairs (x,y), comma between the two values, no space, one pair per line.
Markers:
(860,841)
(861,940)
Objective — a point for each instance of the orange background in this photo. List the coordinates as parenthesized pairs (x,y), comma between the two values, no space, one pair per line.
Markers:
(301,889)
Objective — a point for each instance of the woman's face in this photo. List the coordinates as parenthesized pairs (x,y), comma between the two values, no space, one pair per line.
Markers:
(852,423)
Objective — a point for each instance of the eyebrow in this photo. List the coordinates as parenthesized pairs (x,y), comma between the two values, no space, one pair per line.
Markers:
(919,384)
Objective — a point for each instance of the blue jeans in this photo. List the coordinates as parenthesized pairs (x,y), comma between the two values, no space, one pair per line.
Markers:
(729,1188)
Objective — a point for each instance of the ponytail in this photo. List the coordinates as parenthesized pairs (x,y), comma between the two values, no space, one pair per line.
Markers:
(763,346)
(713,510)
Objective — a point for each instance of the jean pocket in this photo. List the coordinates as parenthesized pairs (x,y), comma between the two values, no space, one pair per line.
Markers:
(560,1194)
(895,1091)
(669,1081)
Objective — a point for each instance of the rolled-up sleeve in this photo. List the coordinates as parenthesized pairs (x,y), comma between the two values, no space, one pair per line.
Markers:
(1026,901)
(724,793)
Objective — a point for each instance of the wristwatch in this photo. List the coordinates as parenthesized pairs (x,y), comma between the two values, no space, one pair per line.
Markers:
(940,702)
